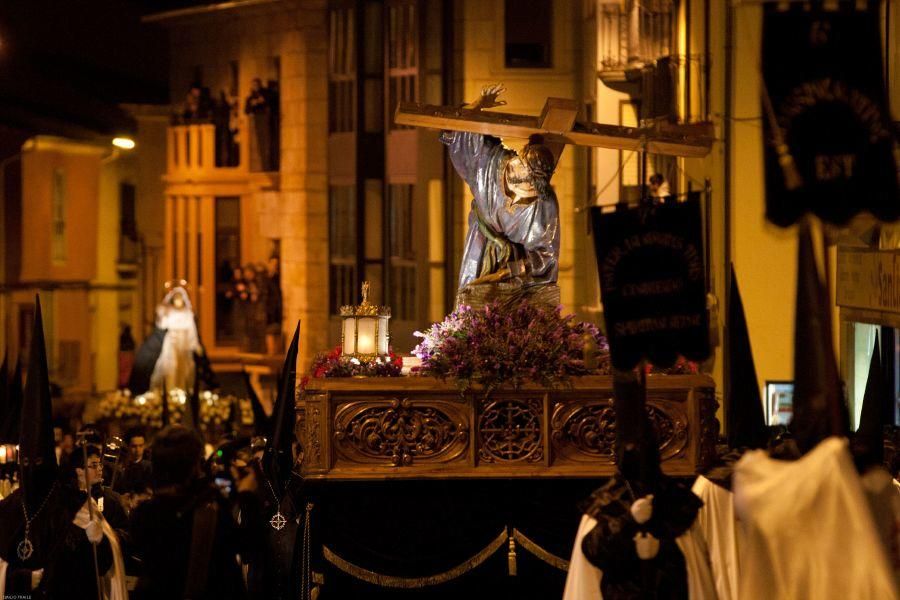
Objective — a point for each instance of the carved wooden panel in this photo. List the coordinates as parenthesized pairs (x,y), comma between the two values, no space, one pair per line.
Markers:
(421,427)
(705,400)
(400,431)
(511,429)
(584,431)
(314,428)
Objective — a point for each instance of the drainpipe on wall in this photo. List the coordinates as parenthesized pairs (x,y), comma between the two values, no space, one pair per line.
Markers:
(726,183)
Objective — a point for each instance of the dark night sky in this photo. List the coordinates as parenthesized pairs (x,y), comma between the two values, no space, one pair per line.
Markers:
(98,47)
(66,65)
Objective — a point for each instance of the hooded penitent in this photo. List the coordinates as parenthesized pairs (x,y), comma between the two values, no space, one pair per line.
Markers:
(640,511)
(192,410)
(261,421)
(279,458)
(29,545)
(4,386)
(5,407)
(868,442)
(11,420)
(276,566)
(819,409)
(165,404)
(37,456)
(145,361)
(746,421)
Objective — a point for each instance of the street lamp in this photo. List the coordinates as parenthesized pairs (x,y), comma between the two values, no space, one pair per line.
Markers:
(125,143)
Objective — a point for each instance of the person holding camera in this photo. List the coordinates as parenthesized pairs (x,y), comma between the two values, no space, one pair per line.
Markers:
(185,535)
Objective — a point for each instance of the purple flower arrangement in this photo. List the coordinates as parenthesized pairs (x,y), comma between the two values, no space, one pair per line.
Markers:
(496,345)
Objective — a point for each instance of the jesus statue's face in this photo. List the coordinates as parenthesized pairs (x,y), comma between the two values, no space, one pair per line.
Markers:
(518,178)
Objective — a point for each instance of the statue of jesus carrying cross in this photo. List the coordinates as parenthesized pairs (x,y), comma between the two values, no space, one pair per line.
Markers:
(512,246)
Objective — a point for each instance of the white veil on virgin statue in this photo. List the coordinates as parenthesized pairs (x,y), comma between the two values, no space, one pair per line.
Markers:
(175,364)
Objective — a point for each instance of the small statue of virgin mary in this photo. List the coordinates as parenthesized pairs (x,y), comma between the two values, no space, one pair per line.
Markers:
(175,365)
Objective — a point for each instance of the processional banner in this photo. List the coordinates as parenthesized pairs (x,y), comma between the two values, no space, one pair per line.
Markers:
(652,281)
(827,130)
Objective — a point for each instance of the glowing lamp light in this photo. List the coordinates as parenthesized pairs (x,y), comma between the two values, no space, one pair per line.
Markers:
(8,454)
(125,143)
(364,328)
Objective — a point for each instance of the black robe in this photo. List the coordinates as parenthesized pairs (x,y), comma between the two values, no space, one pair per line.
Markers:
(160,536)
(610,545)
(61,548)
(134,477)
(276,557)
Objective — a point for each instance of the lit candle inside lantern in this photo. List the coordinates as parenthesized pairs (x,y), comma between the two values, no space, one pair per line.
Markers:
(349,336)
(3,455)
(365,339)
(383,339)
(364,331)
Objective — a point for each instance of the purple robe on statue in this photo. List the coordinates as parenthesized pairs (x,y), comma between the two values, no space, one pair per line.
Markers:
(522,235)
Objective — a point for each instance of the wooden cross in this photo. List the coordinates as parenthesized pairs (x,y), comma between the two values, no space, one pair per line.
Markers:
(557,125)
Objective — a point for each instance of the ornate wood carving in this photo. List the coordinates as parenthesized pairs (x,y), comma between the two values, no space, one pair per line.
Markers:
(399,430)
(309,430)
(422,427)
(709,426)
(511,430)
(589,429)
(315,444)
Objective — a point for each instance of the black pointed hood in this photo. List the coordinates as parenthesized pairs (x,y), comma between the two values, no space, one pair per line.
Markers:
(145,361)
(261,421)
(192,410)
(165,404)
(868,442)
(37,454)
(636,448)
(12,423)
(746,420)
(819,409)
(279,452)
(5,406)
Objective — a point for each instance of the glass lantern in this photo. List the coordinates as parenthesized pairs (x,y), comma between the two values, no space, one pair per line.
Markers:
(364,328)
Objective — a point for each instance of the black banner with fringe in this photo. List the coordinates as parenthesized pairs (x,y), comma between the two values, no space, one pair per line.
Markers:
(652,281)
(827,131)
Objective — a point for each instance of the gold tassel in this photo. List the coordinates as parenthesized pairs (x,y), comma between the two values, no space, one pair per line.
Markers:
(511,557)
(792,178)
(318,580)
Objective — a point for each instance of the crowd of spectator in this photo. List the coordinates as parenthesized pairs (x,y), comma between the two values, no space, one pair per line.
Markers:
(261,108)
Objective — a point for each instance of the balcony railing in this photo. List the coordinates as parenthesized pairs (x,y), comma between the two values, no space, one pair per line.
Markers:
(192,151)
(635,34)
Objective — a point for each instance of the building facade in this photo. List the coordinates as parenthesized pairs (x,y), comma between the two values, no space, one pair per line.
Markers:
(356,197)
(70,216)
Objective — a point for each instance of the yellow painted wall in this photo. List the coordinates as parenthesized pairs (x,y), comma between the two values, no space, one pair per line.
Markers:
(70,322)
(81,165)
(103,302)
(87,312)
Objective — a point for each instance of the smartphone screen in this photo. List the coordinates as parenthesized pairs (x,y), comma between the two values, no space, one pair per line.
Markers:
(224,485)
